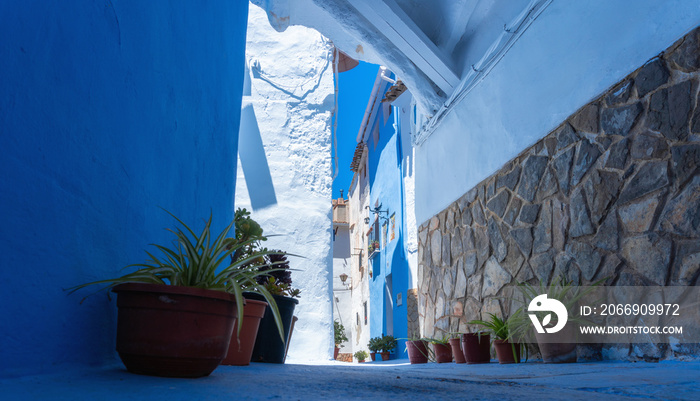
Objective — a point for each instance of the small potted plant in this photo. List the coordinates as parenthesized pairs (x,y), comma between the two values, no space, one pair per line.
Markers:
(417,351)
(340,337)
(177,311)
(361,356)
(374,345)
(508,350)
(476,347)
(388,344)
(456,348)
(441,349)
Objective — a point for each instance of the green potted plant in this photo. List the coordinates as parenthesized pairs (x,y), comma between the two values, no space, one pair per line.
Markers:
(441,349)
(418,351)
(388,344)
(340,337)
(361,356)
(476,347)
(556,347)
(456,348)
(374,345)
(177,311)
(508,349)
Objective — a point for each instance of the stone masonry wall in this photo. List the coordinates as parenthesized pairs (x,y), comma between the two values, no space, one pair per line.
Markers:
(612,192)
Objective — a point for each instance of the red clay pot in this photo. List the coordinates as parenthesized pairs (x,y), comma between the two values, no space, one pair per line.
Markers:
(504,351)
(373,355)
(477,349)
(241,348)
(443,353)
(558,347)
(417,351)
(173,331)
(457,350)
(385,356)
(336,351)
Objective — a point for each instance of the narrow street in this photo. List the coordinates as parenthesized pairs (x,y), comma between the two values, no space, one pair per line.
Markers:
(377,380)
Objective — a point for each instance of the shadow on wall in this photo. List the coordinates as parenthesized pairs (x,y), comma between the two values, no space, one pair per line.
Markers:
(254,162)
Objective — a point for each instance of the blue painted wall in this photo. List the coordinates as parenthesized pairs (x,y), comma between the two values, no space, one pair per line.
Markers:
(390,266)
(108,109)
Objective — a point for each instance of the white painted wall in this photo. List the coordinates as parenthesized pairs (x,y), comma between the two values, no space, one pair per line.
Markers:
(342,294)
(571,54)
(284,172)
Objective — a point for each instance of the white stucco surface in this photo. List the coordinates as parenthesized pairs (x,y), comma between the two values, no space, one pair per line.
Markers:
(571,54)
(286,130)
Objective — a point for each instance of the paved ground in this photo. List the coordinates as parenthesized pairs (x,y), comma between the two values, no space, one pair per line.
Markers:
(376,380)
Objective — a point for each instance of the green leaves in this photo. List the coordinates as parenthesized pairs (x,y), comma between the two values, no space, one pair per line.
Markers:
(203,261)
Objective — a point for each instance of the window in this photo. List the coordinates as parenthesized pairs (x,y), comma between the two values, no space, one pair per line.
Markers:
(365,308)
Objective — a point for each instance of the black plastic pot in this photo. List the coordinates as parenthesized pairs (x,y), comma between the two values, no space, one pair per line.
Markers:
(268,345)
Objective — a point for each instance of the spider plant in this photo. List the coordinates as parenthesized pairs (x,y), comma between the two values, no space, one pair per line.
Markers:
(196,260)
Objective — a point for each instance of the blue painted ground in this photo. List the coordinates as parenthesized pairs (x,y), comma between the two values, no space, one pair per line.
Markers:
(376,380)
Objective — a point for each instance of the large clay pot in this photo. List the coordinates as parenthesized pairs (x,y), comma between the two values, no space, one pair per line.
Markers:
(507,352)
(269,347)
(417,351)
(241,347)
(336,351)
(385,355)
(373,355)
(173,331)
(443,353)
(558,347)
(476,348)
(457,350)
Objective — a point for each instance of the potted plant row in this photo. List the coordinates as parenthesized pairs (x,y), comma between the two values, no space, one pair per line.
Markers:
(508,349)
(384,345)
(176,312)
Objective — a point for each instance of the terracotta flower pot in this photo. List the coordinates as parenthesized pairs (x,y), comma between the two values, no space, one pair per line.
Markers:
(417,351)
(507,352)
(241,348)
(385,356)
(373,355)
(173,331)
(558,347)
(457,350)
(336,351)
(443,353)
(477,349)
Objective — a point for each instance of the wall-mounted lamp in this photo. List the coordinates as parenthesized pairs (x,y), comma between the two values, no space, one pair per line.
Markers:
(343,278)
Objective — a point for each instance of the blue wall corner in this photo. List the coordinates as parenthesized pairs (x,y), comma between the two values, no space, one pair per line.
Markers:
(107,111)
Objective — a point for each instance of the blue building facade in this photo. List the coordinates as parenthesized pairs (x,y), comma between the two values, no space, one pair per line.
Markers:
(388,140)
(108,110)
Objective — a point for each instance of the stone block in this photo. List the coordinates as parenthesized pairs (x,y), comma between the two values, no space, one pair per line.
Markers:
(686,56)
(620,94)
(529,213)
(648,254)
(560,224)
(436,247)
(685,161)
(620,120)
(548,185)
(498,203)
(636,217)
(499,246)
(478,214)
(483,250)
(460,287)
(523,239)
(542,265)
(495,277)
(617,155)
(651,76)
(687,262)
(533,169)
(601,188)
(681,215)
(512,211)
(586,120)
(509,179)
(565,135)
(649,178)
(542,233)
(470,263)
(586,257)
(474,287)
(446,249)
(608,233)
(578,215)
(648,146)
(669,111)
(586,156)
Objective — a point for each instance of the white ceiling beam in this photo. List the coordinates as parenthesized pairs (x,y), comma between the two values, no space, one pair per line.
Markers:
(403,33)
